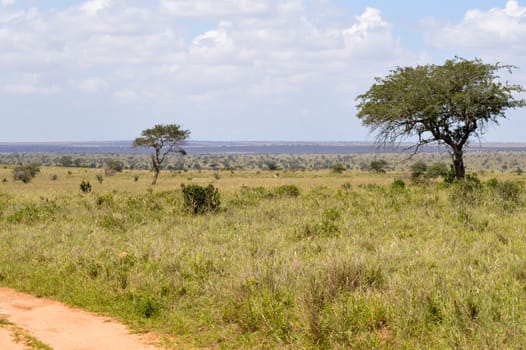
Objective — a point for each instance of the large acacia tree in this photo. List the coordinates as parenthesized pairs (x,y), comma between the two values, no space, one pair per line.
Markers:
(164,139)
(448,104)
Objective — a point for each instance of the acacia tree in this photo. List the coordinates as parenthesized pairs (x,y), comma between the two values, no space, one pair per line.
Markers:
(164,139)
(447,104)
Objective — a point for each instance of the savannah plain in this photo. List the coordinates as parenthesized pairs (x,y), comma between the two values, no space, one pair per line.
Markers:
(294,258)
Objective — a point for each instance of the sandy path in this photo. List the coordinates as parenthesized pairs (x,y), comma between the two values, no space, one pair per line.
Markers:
(62,327)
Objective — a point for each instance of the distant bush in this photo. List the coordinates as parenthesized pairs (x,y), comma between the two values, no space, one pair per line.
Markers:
(398,184)
(436,170)
(26,173)
(378,166)
(85,186)
(65,161)
(199,199)
(113,166)
(287,191)
(338,168)
(418,170)
(271,165)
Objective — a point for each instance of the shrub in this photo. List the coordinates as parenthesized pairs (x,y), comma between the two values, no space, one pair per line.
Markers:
(65,161)
(199,199)
(378,166)
(467,191)
(100,178)
(147,306)
(418,170)
(328,225)
(113,166)
(436,170)
(26,173)
(510,190)
(506,190)
(398,184)
(85,186)
(272,165)
(287,191)
(492,183)
(34,212)
(346,186)
(338,168)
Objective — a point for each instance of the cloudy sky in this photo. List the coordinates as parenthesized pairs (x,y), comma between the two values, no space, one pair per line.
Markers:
(74,70)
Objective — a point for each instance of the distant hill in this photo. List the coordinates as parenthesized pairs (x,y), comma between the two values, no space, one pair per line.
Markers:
(222,147)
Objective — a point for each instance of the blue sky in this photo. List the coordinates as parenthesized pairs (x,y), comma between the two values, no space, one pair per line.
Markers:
(231,69)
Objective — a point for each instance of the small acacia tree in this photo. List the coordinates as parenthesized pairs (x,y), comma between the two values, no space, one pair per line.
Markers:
(447,104)
(164,139)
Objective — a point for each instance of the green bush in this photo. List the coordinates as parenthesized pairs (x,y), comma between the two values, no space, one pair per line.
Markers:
(467,191)
(378,166)
(199,199)
(251,195)
(113,166)
(418,170)
(287,191)
(398,184)
(506,190)
(436,170)
(328,225)
(510,190)
(338,168)
(85,186)
(34,212)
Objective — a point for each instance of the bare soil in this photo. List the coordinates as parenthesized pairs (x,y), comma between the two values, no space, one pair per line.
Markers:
(26,320)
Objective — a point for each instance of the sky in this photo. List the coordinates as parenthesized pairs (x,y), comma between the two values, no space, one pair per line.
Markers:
(231,70)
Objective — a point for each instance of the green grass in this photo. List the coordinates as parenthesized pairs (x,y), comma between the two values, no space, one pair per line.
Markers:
(304,260)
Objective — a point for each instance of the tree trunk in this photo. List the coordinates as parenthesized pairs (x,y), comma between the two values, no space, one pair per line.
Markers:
(156,166)
(155,176)
(458,164)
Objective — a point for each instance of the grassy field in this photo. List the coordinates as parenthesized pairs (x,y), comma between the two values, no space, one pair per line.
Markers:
(348,261)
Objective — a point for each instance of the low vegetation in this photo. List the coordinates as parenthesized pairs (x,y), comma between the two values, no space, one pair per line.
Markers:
(303,260)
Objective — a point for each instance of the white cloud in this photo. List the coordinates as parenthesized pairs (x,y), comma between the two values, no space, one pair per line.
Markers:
(213,8)
(93,85)
(492,30)
(7,2)
(370,35)
(271,52)
(125,94)
(31,84)
(93,6)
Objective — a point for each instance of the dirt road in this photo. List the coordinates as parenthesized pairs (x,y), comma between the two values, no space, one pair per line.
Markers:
(27,322)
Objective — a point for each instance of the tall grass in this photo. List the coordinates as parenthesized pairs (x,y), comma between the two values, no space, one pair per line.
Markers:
(320,261)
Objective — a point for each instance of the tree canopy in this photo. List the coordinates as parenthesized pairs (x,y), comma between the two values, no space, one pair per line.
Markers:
(164,139)
(447,104)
